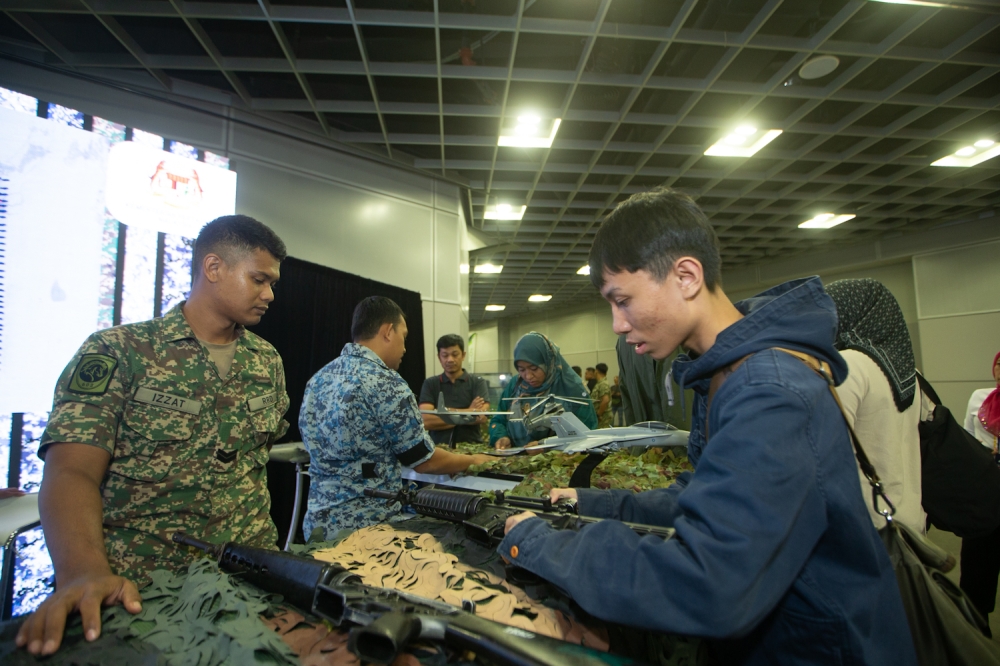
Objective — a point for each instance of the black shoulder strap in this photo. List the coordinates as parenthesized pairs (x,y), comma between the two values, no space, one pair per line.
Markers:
(928,389)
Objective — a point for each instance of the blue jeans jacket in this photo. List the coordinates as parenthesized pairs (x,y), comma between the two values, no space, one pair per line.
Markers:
(775,559)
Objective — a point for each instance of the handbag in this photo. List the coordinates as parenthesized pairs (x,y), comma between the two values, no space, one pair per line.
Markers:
(945,627)
(960,481)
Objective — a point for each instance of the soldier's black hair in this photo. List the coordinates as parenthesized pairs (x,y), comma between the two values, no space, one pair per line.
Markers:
(652,230)
(451,340)
(602,368)
(371,313)
(578,370)
(590,369)
(234,235)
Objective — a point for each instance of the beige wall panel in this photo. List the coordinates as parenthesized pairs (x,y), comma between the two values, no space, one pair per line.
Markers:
(446,258)
(959,281)
(430,358)
(574,334)
(606,338)
(960,349)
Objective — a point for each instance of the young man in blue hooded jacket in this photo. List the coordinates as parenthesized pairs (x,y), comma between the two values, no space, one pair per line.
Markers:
(775,559)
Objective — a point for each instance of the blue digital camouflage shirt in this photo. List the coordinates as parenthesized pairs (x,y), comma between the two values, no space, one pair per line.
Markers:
(361,424)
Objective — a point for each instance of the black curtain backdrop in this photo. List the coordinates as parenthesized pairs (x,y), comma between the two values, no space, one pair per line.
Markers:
(309,322)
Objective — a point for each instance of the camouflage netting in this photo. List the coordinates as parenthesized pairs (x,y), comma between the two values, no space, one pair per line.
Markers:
(653,468)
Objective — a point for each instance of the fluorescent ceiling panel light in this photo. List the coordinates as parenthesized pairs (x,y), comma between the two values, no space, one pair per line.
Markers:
(967,156)
(540,298)
(584,270)
(735,143)
(502,211)
(463,269)
(496,308)
(487,268)
(919,3)
(526,133)
(825,221)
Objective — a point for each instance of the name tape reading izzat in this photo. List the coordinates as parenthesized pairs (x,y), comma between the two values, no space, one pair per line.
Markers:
(262,401)
(175,402)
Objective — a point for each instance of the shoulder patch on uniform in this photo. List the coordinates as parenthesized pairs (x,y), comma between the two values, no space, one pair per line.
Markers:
(93,373)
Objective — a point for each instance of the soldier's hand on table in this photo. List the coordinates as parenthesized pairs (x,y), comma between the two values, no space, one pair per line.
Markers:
(514,520)
(557,494)
(10,492)
(42,632)
(502,443)
(482,458)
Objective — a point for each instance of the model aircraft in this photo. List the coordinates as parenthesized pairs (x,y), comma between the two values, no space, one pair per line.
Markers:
(456,418)
(572,436)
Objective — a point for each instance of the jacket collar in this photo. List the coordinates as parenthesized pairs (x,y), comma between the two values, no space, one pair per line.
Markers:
(352,349)
(175,327)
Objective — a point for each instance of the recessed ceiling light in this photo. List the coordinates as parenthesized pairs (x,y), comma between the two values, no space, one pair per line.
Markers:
(584,270)
(540,298)
(496,308)
(818,67)
(825,221)
(504,211)
(967,156)
(463,269)
(731,145)
(487,268)
(526,133)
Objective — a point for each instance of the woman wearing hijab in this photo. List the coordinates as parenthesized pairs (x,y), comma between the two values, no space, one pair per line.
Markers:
(880,395)
(541,371)
(981,556)
(982,417)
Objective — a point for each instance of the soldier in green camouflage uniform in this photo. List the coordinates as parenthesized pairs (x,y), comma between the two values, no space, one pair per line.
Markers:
(162,426)
(188,448)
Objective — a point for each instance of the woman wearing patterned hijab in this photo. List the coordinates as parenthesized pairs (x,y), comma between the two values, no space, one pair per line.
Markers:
(541,371)
(879,392)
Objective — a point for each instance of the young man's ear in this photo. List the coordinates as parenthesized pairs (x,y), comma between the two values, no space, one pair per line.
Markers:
(212,266)
(385,331)
(691,275)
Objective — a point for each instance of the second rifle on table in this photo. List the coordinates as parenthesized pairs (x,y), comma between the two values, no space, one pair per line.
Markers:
(484,519)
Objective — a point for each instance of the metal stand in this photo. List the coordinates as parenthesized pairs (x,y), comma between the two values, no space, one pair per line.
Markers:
(581,475)
(293,452)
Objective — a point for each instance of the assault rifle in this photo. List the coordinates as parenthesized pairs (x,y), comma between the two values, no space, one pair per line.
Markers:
(387,620)
(484,520)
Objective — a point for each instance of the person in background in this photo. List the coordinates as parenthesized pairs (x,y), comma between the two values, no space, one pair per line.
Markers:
(462,392)
(982,415)
(617,413)
(601,396)
(980,559)
(541,371)
(881,398)
(163,426)
(590,377)
(361,424)
(774,559)
(578,370)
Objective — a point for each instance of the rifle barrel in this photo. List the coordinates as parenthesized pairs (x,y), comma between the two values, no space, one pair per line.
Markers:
(187,540)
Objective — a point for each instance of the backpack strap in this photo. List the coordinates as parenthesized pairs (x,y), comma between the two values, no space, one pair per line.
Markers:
(822,368)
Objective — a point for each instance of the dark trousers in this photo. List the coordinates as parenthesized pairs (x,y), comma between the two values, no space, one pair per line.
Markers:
(980,569)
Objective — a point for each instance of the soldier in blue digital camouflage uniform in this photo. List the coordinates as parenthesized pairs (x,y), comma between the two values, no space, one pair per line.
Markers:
(361,424)
(163,426)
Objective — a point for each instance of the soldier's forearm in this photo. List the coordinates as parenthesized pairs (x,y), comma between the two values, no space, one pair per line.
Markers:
(432,422)
(72,514)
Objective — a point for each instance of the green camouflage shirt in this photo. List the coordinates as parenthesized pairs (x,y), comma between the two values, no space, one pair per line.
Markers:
(601,389)
(188,448)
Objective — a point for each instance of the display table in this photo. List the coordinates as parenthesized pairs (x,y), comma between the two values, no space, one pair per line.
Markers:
(205,617)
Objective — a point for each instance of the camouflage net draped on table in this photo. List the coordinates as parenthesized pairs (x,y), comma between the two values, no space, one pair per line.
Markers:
(653,468)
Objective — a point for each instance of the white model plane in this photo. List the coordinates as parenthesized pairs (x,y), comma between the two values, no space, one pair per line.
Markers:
(452,417)
(572,436)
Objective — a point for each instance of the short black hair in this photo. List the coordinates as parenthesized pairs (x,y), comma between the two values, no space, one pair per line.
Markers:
(371,313)
(451,340)
(231,236)
(589,369)
(578,370)
(652,230)
(602,368)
